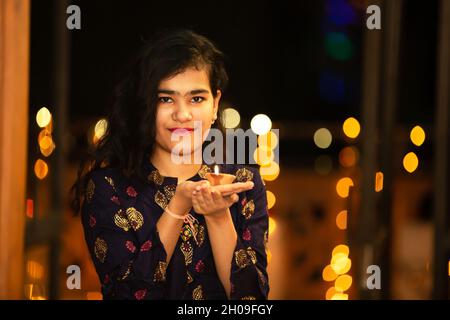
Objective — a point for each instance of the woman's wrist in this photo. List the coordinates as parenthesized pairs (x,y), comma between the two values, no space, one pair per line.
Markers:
(218,217)
(178,207)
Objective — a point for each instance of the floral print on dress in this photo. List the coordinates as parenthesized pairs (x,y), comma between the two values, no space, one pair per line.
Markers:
(130,246)
(199,266)
(247,235)
(131,192)
(92,221)
(147,245)
(100,249)
(140,294)
(115,200)
(248,209)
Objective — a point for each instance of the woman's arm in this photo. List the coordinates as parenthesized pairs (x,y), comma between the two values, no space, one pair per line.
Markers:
(222,235)
(126,249)
(168,226)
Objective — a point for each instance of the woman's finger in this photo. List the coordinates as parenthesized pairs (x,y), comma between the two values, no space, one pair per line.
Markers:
(228,189)
(215,195)
(199,198)
(195,203)
(207,197)
(231,199)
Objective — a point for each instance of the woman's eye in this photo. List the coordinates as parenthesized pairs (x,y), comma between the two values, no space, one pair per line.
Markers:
(165,99)
(197,99)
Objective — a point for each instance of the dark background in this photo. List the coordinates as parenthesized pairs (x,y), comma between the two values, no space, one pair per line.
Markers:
(277,60)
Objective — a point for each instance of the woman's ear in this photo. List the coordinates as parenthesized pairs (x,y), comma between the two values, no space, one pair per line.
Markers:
(216,104)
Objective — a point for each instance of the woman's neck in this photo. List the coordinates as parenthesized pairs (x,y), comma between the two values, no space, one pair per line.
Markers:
(163,162)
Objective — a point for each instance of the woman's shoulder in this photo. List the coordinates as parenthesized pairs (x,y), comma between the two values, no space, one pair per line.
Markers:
(105,174)
(107,180)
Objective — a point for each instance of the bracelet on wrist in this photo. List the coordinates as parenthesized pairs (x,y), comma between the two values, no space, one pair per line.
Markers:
(187,218)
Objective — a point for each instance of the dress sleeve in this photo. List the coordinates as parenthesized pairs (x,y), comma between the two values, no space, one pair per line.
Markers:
(127,252)
(248,269)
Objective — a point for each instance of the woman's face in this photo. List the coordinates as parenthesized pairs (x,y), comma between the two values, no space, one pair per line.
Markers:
(185,111)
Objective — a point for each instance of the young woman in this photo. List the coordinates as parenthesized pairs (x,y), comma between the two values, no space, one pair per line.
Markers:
(157,229)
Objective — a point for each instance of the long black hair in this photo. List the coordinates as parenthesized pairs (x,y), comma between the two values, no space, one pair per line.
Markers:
(131,132)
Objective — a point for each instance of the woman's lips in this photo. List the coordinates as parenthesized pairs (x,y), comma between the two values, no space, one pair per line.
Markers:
(181,131)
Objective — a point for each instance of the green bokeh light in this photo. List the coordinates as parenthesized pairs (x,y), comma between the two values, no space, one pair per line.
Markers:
(338,46)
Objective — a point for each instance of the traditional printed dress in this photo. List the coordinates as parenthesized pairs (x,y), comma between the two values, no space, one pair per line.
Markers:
(119,218)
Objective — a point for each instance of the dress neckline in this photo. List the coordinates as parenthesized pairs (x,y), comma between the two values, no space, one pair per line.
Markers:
(154,175)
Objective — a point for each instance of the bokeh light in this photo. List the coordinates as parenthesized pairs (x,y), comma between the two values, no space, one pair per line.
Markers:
(341,220)
(410,162)
(339,296)
(263,155)
(343,187)
(379,178)
(45,139)
(261,124)
(351,127)
(100,129)
(272,225)
(48,151)
(330,293)
(328,273)
(40,169)
(343,282)
(345,268)
(43,117)
(417,135)
(271,199)
(340,12)
(323,138)
(338,46)
(230,118)
(340,263)
(341,248)
(269,140)
(348,157)
(270,172)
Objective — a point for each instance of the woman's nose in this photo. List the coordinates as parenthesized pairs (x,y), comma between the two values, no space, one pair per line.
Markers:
(182,114)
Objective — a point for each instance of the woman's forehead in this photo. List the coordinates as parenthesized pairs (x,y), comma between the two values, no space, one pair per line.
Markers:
(186,81)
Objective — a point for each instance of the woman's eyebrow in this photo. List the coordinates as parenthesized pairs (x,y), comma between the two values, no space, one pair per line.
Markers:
(192,92)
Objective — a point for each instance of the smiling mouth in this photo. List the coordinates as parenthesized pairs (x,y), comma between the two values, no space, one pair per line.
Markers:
(181,131)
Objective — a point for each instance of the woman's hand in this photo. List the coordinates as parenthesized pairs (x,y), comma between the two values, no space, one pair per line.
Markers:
(181,202)
(212,200)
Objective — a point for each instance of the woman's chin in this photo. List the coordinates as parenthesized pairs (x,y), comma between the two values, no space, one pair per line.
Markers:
(188,153)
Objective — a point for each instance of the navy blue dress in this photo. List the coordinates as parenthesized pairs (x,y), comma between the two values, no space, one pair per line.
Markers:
(119,218)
